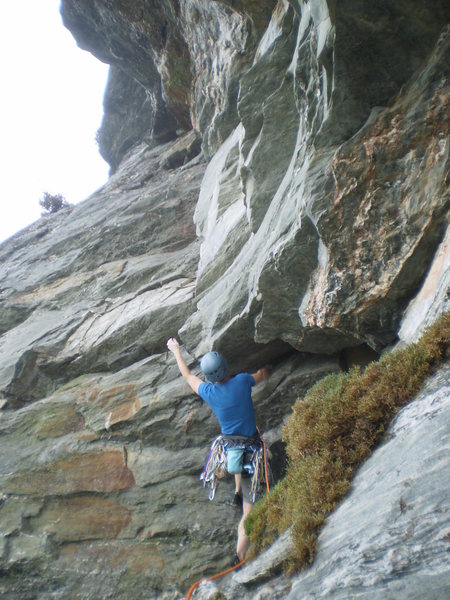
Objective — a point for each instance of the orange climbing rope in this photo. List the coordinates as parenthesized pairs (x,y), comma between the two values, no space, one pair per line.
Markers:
(265,461)
(195,585)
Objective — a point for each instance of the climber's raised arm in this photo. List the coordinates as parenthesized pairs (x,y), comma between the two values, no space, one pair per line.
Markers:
(192,380)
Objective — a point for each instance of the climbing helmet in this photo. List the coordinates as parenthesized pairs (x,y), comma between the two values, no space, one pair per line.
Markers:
(214,366)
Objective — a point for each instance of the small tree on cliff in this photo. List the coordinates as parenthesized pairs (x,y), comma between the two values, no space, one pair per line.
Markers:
(52,203)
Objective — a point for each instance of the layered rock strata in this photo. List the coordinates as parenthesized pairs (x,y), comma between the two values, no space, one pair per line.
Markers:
(279,191)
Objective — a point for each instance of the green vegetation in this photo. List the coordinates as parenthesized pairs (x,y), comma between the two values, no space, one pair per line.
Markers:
(52,203)
(332,431)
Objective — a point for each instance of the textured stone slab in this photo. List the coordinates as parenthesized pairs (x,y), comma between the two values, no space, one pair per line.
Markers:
(433,298)
(95,472)
(81,518)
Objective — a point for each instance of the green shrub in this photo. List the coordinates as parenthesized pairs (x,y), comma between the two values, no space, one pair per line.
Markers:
(52,203)
(331,432)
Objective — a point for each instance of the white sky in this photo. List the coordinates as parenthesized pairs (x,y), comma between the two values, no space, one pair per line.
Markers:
(50,110)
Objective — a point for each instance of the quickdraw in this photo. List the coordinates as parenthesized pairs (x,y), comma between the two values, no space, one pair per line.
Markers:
(214,468)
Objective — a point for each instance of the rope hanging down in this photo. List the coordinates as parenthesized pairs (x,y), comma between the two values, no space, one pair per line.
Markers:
(195,585)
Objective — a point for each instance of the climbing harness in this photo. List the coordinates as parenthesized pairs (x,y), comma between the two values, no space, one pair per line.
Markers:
(237,454)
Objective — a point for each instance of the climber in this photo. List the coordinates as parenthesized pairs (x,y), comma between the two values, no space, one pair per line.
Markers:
(230,398)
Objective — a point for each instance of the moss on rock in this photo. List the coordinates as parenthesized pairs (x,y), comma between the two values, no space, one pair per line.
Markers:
(332,431)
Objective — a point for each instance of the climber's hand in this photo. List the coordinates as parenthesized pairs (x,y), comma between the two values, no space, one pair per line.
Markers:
(260,375)
(173,345)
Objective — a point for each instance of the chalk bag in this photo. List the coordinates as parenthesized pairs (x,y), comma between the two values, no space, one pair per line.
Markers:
(235,458)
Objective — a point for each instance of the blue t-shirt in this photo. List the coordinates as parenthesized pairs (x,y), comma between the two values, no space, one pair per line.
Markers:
(232,404)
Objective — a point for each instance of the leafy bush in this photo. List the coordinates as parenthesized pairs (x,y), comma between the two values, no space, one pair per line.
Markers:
(332,431)
(52,203)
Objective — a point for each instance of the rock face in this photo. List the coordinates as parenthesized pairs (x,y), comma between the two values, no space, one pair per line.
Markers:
(310,231)
(279,192)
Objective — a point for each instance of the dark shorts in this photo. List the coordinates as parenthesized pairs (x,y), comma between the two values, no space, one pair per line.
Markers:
(246,483)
